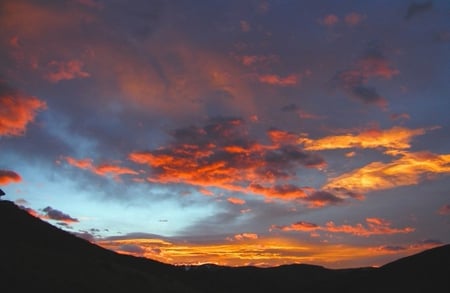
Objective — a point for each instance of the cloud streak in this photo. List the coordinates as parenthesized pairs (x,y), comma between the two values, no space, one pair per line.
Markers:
(373,226)
(408,169)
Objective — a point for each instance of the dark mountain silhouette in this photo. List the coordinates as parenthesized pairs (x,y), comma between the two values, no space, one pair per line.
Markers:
(35,255)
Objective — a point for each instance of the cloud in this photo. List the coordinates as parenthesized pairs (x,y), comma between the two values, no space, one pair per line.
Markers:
(236,201)
(16,112)
(399,116)
(354,18)
(329,20)
(249,60)
(425,244)
(60,70)
(301,113)
(415,9)
(276,80)
(444,210)
(104,169)
(221,154)
(394,138)
(245,26)
(409,169)
(373,226)
(322,198)
(53,214)
(8,176)
(132,249)
(371,65)
(284,192)
(244,236)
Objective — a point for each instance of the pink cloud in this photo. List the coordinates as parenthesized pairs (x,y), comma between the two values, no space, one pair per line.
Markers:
(66,70)
(329,20)
(245,26)
(444,210)
(354,18)
(236,201)
(244,236)
(273,79)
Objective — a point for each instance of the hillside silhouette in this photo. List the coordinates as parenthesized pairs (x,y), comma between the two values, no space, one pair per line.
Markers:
(37,256)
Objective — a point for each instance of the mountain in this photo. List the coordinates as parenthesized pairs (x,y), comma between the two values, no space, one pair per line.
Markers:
(35,255)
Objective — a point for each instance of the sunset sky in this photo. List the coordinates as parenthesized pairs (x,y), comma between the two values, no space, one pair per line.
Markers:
(231,132)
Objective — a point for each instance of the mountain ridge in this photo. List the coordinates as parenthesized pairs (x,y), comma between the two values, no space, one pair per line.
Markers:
(35,255)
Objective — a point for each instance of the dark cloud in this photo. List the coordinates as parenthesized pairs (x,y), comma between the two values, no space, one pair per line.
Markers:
(57,215)
(132,248)
(85,235)
(368,95)
(354,80)
(322,198)
(290,155)
(418,8)
(289,108)
(392,248)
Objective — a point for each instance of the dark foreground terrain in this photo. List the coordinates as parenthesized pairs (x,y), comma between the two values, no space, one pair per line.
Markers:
(36,256)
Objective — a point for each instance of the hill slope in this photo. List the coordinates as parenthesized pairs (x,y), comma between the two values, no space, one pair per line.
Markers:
(35,255)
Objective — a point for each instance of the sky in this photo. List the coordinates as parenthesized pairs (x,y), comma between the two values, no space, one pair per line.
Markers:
(231,132)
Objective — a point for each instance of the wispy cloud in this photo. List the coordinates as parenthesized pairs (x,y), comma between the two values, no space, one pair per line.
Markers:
(60,70)
(394,138)
(373,226)
(103,169)
(408,169)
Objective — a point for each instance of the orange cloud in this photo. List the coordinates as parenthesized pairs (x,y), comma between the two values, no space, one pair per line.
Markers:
(236,201)
(82,163)
(409,169)
(16,112)
(65,70)
(222,155)
(284,192)
(261,251)
(282,137)
(104,169)
(277,80)
(394,138)
(8,176)
(374,226)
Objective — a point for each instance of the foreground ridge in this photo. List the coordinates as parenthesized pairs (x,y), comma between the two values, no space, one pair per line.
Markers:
(34,255)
